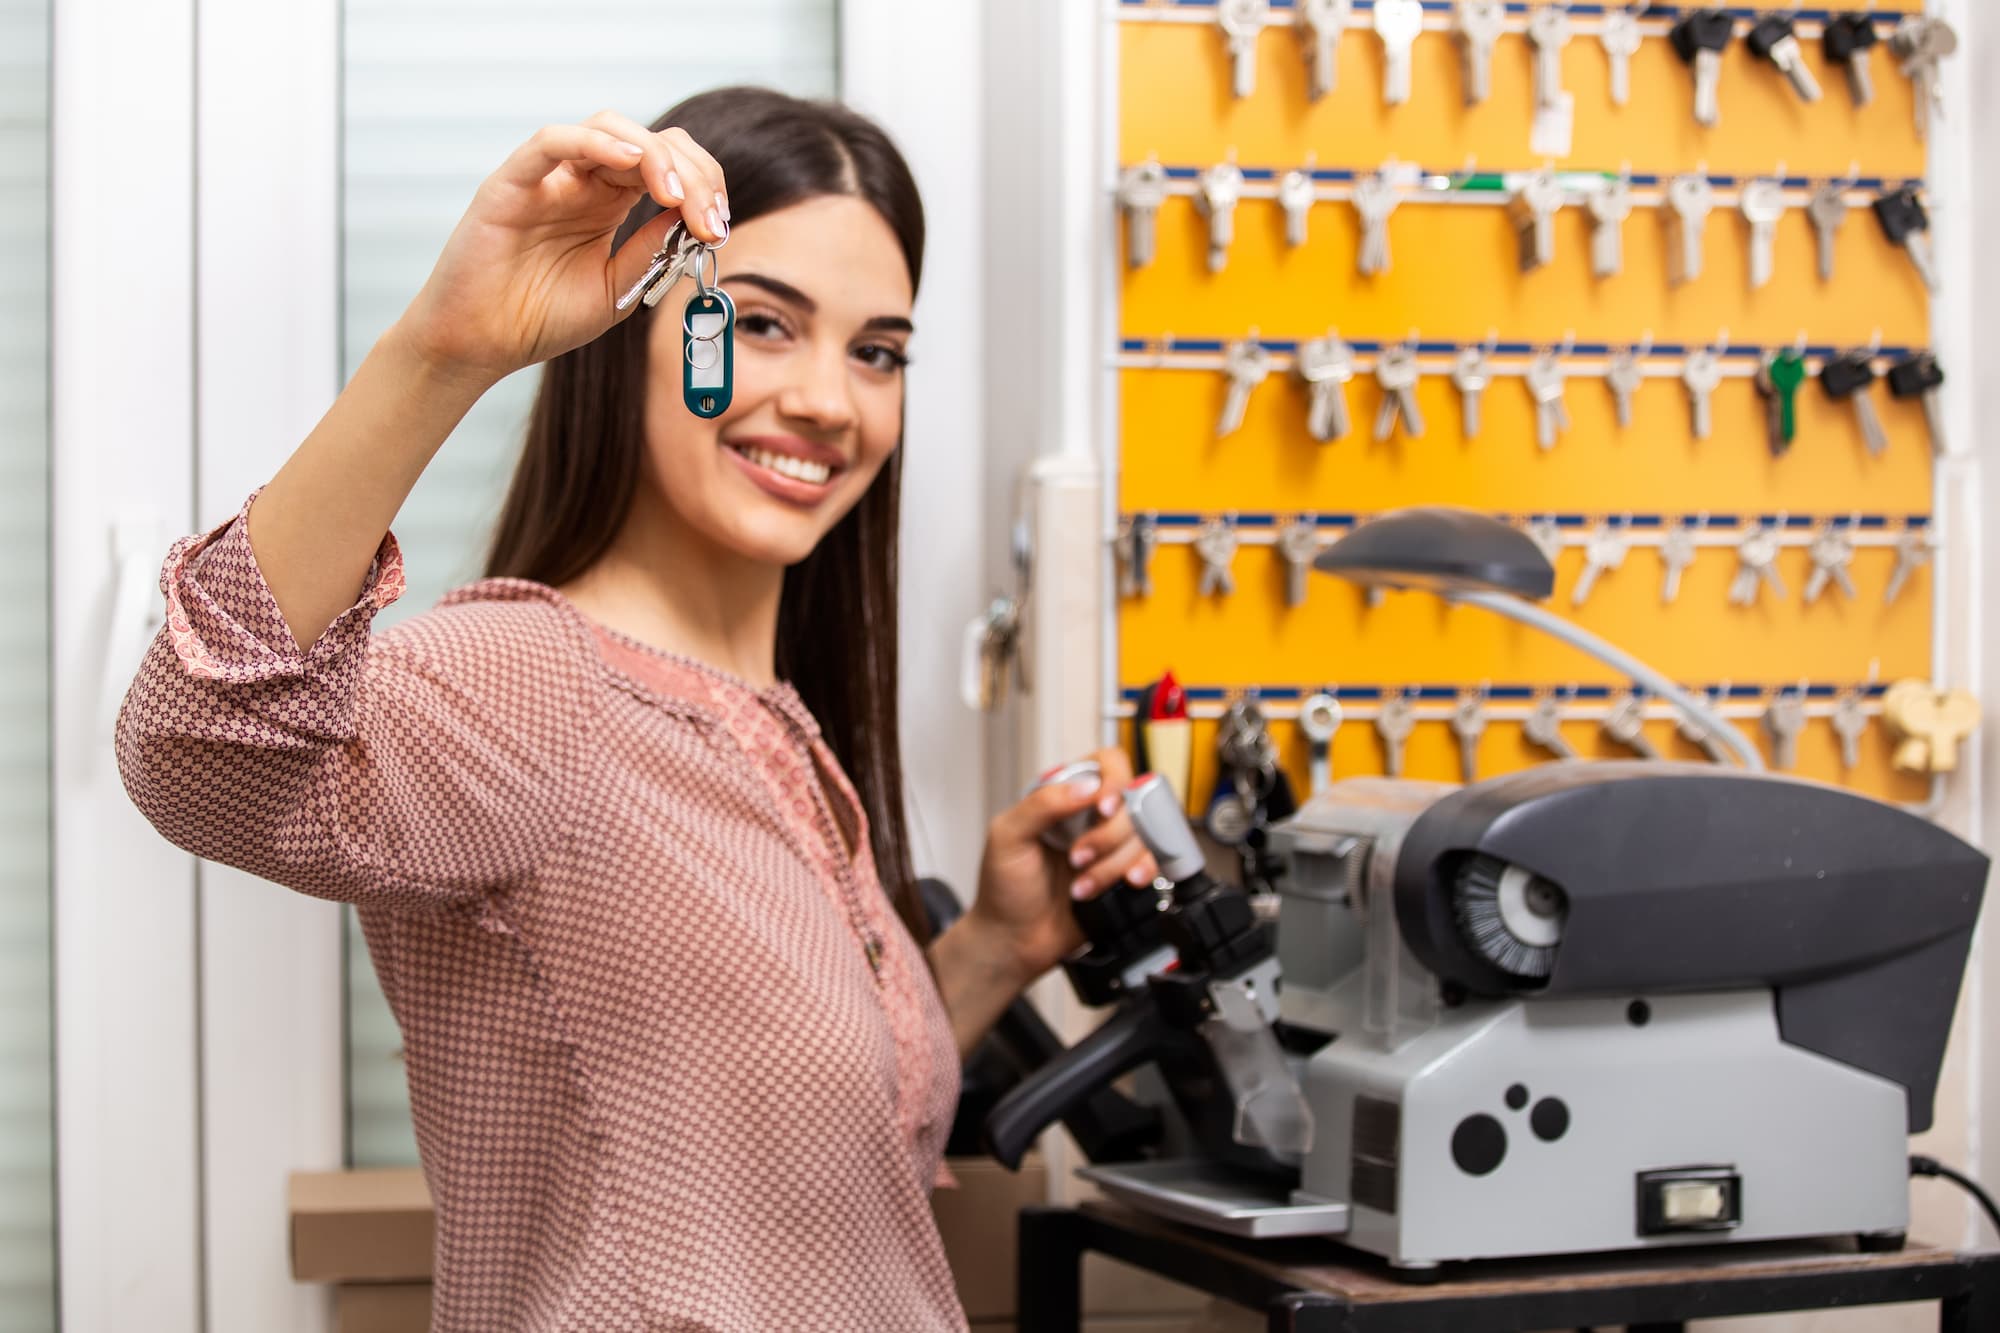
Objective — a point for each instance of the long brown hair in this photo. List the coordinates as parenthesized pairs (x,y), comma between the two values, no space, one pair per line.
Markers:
(580,467)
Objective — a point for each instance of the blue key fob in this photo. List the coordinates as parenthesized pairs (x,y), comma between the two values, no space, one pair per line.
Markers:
(708,352)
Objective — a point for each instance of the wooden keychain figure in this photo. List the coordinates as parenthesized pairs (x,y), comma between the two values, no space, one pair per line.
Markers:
(708,321)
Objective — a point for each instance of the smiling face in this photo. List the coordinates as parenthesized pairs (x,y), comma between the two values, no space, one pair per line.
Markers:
(823,298)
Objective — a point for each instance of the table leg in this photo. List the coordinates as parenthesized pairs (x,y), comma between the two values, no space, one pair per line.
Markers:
(1978,1308)
(1048,1277)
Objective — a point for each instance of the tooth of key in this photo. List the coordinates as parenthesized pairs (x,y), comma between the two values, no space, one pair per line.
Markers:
(1478,24)
(1221,189)
(1216,545)
(1827,211)
(1690,199)
(1397,23)
(1396,371)
(1375,198)
(1543,728)
(1298,543)
(1832,552)
(1785,719)
(1848,378)
(1850,724)
(1142,188)
(1319,719)
(1246,363)
(1627,726)
(1913,552)
(1326,365)
(1241,21)
(1545,380)
(1677,552)
(1320,25)
(1468,723)
(1394,722)
(1624,376)
(1533,210)
(1757,554)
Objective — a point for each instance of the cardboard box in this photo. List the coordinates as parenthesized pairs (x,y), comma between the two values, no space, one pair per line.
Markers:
(361,1226)
(382,1307)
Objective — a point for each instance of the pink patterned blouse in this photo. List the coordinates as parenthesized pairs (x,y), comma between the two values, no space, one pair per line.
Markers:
(674,1062)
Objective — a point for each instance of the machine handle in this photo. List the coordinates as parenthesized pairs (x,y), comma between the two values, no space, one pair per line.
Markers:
(1135,1034)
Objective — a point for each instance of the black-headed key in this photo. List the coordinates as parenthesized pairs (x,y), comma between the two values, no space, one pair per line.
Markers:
(1920,376)
(1774,39)
(1847,379)
(1851,40)
(1907,223)
(1699,40)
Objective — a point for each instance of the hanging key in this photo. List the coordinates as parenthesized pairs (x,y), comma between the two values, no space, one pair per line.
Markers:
(1677,552)
(1773,38)
(1690,199)
(1397,23)
(1477,24)
(1603,553)
(1849,378)
(1549,31)
(1762,204)
(1320,25)
(1623,376)
(1543,728)
(1142,188)
(1699,40)
(1533,211)
(1547,535)
(1696,732)
(1626,725)
(1246,363)
(1920,43)
(1907,223)
(1619,36)
(1221,190)
(1920,376)
(1546,379)
(1241,21)
(1784,719)
(1850,724)
(1326,365)
(1832,553)
(1298,543)
(1701,374)
(1850,42)
(1778,379)
(1913,552)
(1137,538)
(1297,192)
(1216,545)
(1396,371)
(1468,724)
(1394,722)
(1827,211)
(1758,557)
(1319,719)
(1375,199)
(1471,373)
(1609,205)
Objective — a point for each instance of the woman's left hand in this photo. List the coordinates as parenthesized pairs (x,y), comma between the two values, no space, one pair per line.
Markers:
(1026,889)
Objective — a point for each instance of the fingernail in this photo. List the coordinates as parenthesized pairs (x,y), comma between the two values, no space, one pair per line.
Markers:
(1080,889)
(715,224)
(624,147)
(1084,786)
(1137,877)
(1081,856)
(1109,805)
(674,186)
(722,202)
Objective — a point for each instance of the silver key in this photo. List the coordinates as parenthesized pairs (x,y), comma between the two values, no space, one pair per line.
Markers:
(1609,206)
(1297,192)
(1832,553)
(1850,724)
(1547,535)
(1758,557)
(1623,376)
(1696,732)
(1827,211)
(1621,41)
(1790,59)
(1326,365)
(1762,205)
(1393,723)
(1468,723)
(1920,43)
(1216,545)
(1626,725)
(1785,719)
(1319,719)
(1396,371)
(1702,375)
(1546,379)
(1471,373)
(1913,552)
(1549,31)
(1397,23)
(1247,363)
(1677,552)
(1221,189)
(1690,199)
(1320,25)
(1533,210)
(1375,199)
(1477,24)
(1142,188)
(1241,21)
(1603,553)
(1136,540)
(1543,728)
(667,267)
(1298,543)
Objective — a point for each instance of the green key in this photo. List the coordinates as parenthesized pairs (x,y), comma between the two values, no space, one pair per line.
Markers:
(1779,380)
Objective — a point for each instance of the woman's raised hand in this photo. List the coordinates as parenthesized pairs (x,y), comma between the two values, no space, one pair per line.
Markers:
(528,272)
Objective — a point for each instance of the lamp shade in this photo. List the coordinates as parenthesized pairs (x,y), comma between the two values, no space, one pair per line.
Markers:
(1440,549)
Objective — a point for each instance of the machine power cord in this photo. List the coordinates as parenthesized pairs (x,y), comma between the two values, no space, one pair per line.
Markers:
(1931,1166)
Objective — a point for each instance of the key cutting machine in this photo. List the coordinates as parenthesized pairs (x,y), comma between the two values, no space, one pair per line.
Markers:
(1583,1007)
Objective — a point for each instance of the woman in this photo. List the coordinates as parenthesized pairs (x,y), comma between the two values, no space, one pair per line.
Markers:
(676,1054)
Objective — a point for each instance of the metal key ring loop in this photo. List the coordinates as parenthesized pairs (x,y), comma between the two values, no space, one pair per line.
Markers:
(712,298)
(702,255)
(687,350)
